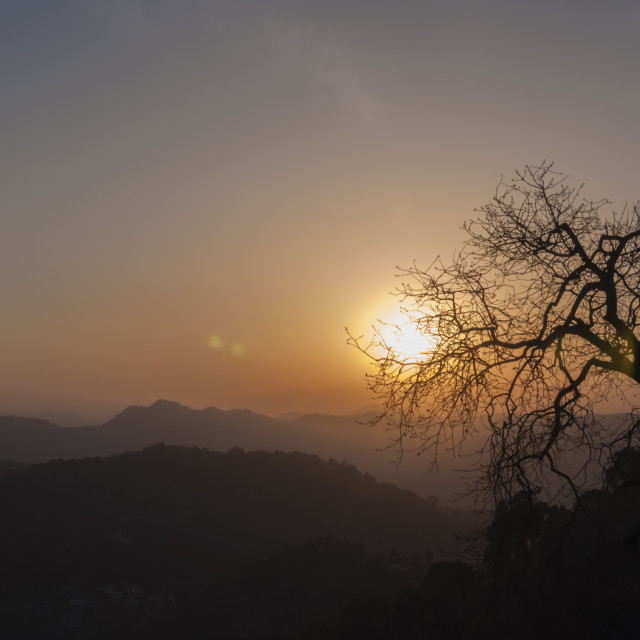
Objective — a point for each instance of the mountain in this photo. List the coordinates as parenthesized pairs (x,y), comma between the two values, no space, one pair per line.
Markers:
(34,440)
(342,438)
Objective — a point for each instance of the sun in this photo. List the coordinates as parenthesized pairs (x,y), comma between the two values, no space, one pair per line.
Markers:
(403,333)
(404,339)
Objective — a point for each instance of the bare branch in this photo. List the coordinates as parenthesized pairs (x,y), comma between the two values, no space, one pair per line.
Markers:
(535,322)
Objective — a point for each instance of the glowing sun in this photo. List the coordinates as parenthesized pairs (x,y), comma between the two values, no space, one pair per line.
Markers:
(404,334)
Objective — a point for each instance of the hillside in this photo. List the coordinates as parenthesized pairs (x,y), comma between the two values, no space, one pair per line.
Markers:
(236,528)
(237,506)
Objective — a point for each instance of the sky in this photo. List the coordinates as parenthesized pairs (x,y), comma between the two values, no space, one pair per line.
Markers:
(197,197)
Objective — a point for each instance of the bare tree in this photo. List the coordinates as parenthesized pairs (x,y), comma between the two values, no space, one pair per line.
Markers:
(527,329)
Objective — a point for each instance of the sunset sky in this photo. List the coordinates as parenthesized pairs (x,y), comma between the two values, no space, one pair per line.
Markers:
(198,196)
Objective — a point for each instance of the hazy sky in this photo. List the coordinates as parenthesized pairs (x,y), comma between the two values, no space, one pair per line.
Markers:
(198,196)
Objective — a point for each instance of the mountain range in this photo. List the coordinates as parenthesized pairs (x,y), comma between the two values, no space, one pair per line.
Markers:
(350,439)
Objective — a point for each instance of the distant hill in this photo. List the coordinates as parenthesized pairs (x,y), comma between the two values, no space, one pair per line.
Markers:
(34,440)
(214,508)
(342,438)
(174,542)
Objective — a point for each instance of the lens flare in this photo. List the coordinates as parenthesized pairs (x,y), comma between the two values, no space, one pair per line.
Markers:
(215,342)
(218,343)
(237,349)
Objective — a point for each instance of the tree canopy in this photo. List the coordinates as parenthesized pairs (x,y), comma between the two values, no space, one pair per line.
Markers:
(527,328)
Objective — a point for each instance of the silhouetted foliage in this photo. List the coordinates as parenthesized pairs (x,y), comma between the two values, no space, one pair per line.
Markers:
(624,471)
(548,572)
(526,329)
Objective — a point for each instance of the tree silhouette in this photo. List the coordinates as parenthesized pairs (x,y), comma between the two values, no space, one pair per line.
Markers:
(527,329)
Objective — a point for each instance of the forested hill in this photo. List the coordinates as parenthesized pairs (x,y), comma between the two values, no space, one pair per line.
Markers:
(224,507)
